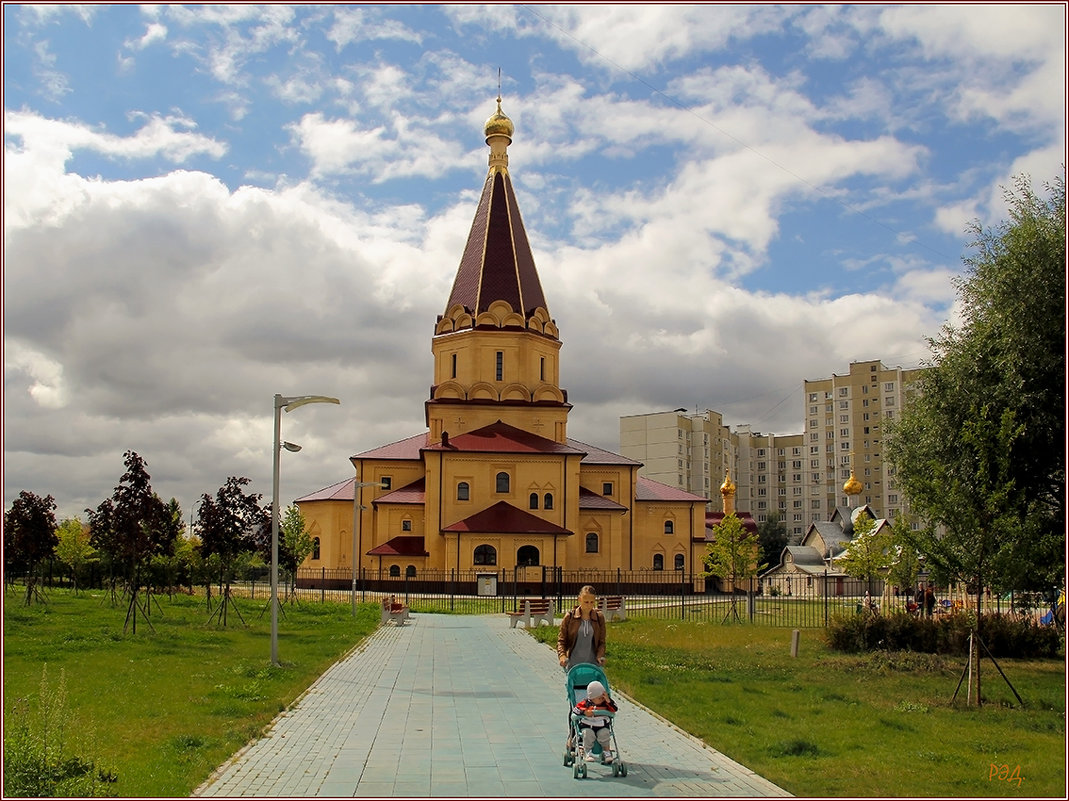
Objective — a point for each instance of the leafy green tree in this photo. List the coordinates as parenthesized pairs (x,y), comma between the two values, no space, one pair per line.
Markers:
(296,543)
(867,555)
(30,535)
(980,452)
(773,538)
(905,565)
(732,556)
(229,525)
(73,548)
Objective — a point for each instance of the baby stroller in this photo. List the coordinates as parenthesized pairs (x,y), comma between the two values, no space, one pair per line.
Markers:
(574,754)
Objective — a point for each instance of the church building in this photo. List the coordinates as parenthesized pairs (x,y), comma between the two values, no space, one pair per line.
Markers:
(495,481)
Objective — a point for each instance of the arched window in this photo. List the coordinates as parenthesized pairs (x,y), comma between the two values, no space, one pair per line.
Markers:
(592,542)
(527,555)
(410,571)
(485,555)
(679,561)
(658,561)
(547,502)
(534,500)
(669,527)
(463,491)
(395,571)
(502,482)
(315,548)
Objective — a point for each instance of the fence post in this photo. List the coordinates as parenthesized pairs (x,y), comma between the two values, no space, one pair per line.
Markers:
(751,600)
(682,595)
(543,594)
(825,597)
(452,588)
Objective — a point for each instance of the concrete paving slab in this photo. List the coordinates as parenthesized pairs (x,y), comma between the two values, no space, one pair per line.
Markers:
(462,707)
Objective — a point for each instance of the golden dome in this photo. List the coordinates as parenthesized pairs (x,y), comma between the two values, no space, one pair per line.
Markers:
(728,487)
(852,485)
(499,124)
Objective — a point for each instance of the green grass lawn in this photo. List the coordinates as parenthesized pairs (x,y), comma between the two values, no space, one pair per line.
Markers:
(161,710)
(829,724)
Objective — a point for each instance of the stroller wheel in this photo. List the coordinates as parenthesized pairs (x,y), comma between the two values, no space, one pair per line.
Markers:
(576,770)
(568,759)
(615,769)
(623,768)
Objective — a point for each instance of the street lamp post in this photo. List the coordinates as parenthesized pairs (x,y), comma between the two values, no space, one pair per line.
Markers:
(357,507)
(289,404)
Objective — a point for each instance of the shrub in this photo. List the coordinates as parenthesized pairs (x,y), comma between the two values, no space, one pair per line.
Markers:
(1003,635)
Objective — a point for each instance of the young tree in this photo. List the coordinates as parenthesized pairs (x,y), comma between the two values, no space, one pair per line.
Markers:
(867,555)
(30,534)
(296,543)
(905,565)
(130,527)
(732,556)
(228,525)
(73,548)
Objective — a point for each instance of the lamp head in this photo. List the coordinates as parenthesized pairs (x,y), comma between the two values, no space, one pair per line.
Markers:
(291,447)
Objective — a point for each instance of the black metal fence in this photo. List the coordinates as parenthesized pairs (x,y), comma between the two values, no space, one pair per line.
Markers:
(797,601)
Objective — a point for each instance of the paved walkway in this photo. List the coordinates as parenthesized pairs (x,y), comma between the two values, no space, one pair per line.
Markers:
(462,706)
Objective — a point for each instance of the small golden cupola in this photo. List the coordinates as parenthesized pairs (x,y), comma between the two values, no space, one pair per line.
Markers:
(852,486)
(727,490)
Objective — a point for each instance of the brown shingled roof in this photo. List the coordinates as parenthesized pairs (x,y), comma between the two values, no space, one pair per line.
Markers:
(402,449)
(497,263)
(342,491)
(590,500)
(504,518)
(416,493)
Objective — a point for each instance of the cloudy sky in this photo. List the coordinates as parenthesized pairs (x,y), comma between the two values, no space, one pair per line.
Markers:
(205,206)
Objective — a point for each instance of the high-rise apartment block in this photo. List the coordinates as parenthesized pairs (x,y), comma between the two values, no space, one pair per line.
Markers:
(798,476)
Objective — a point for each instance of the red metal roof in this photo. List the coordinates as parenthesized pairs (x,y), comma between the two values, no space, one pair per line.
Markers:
(649,490)
(592,501)
(501,437)
(416,493)
(342,491)
(599,456)
(402,449)
(400,546)
(713,519)
(504,518)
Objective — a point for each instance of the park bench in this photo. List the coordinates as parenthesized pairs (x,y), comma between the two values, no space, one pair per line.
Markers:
(613,607)
(532,613)
(391,610)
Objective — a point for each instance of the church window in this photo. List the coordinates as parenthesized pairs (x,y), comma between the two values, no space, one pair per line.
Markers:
(386,482)
(502,482)
(454,366)
(406,525)
(547,502)
(679,561)
(669,527)
(315,548)
(534,500)
(542,369)
(658,561)
(463,491)
(500,368)
(527,555)
(410,571)
(395,571)
(485,555)
(606,488)
(592,542)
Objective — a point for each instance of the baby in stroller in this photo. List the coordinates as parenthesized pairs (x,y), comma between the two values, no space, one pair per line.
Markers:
(591,718)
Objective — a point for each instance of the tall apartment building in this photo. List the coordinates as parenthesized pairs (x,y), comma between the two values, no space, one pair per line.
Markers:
(799,476)
(844,420)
